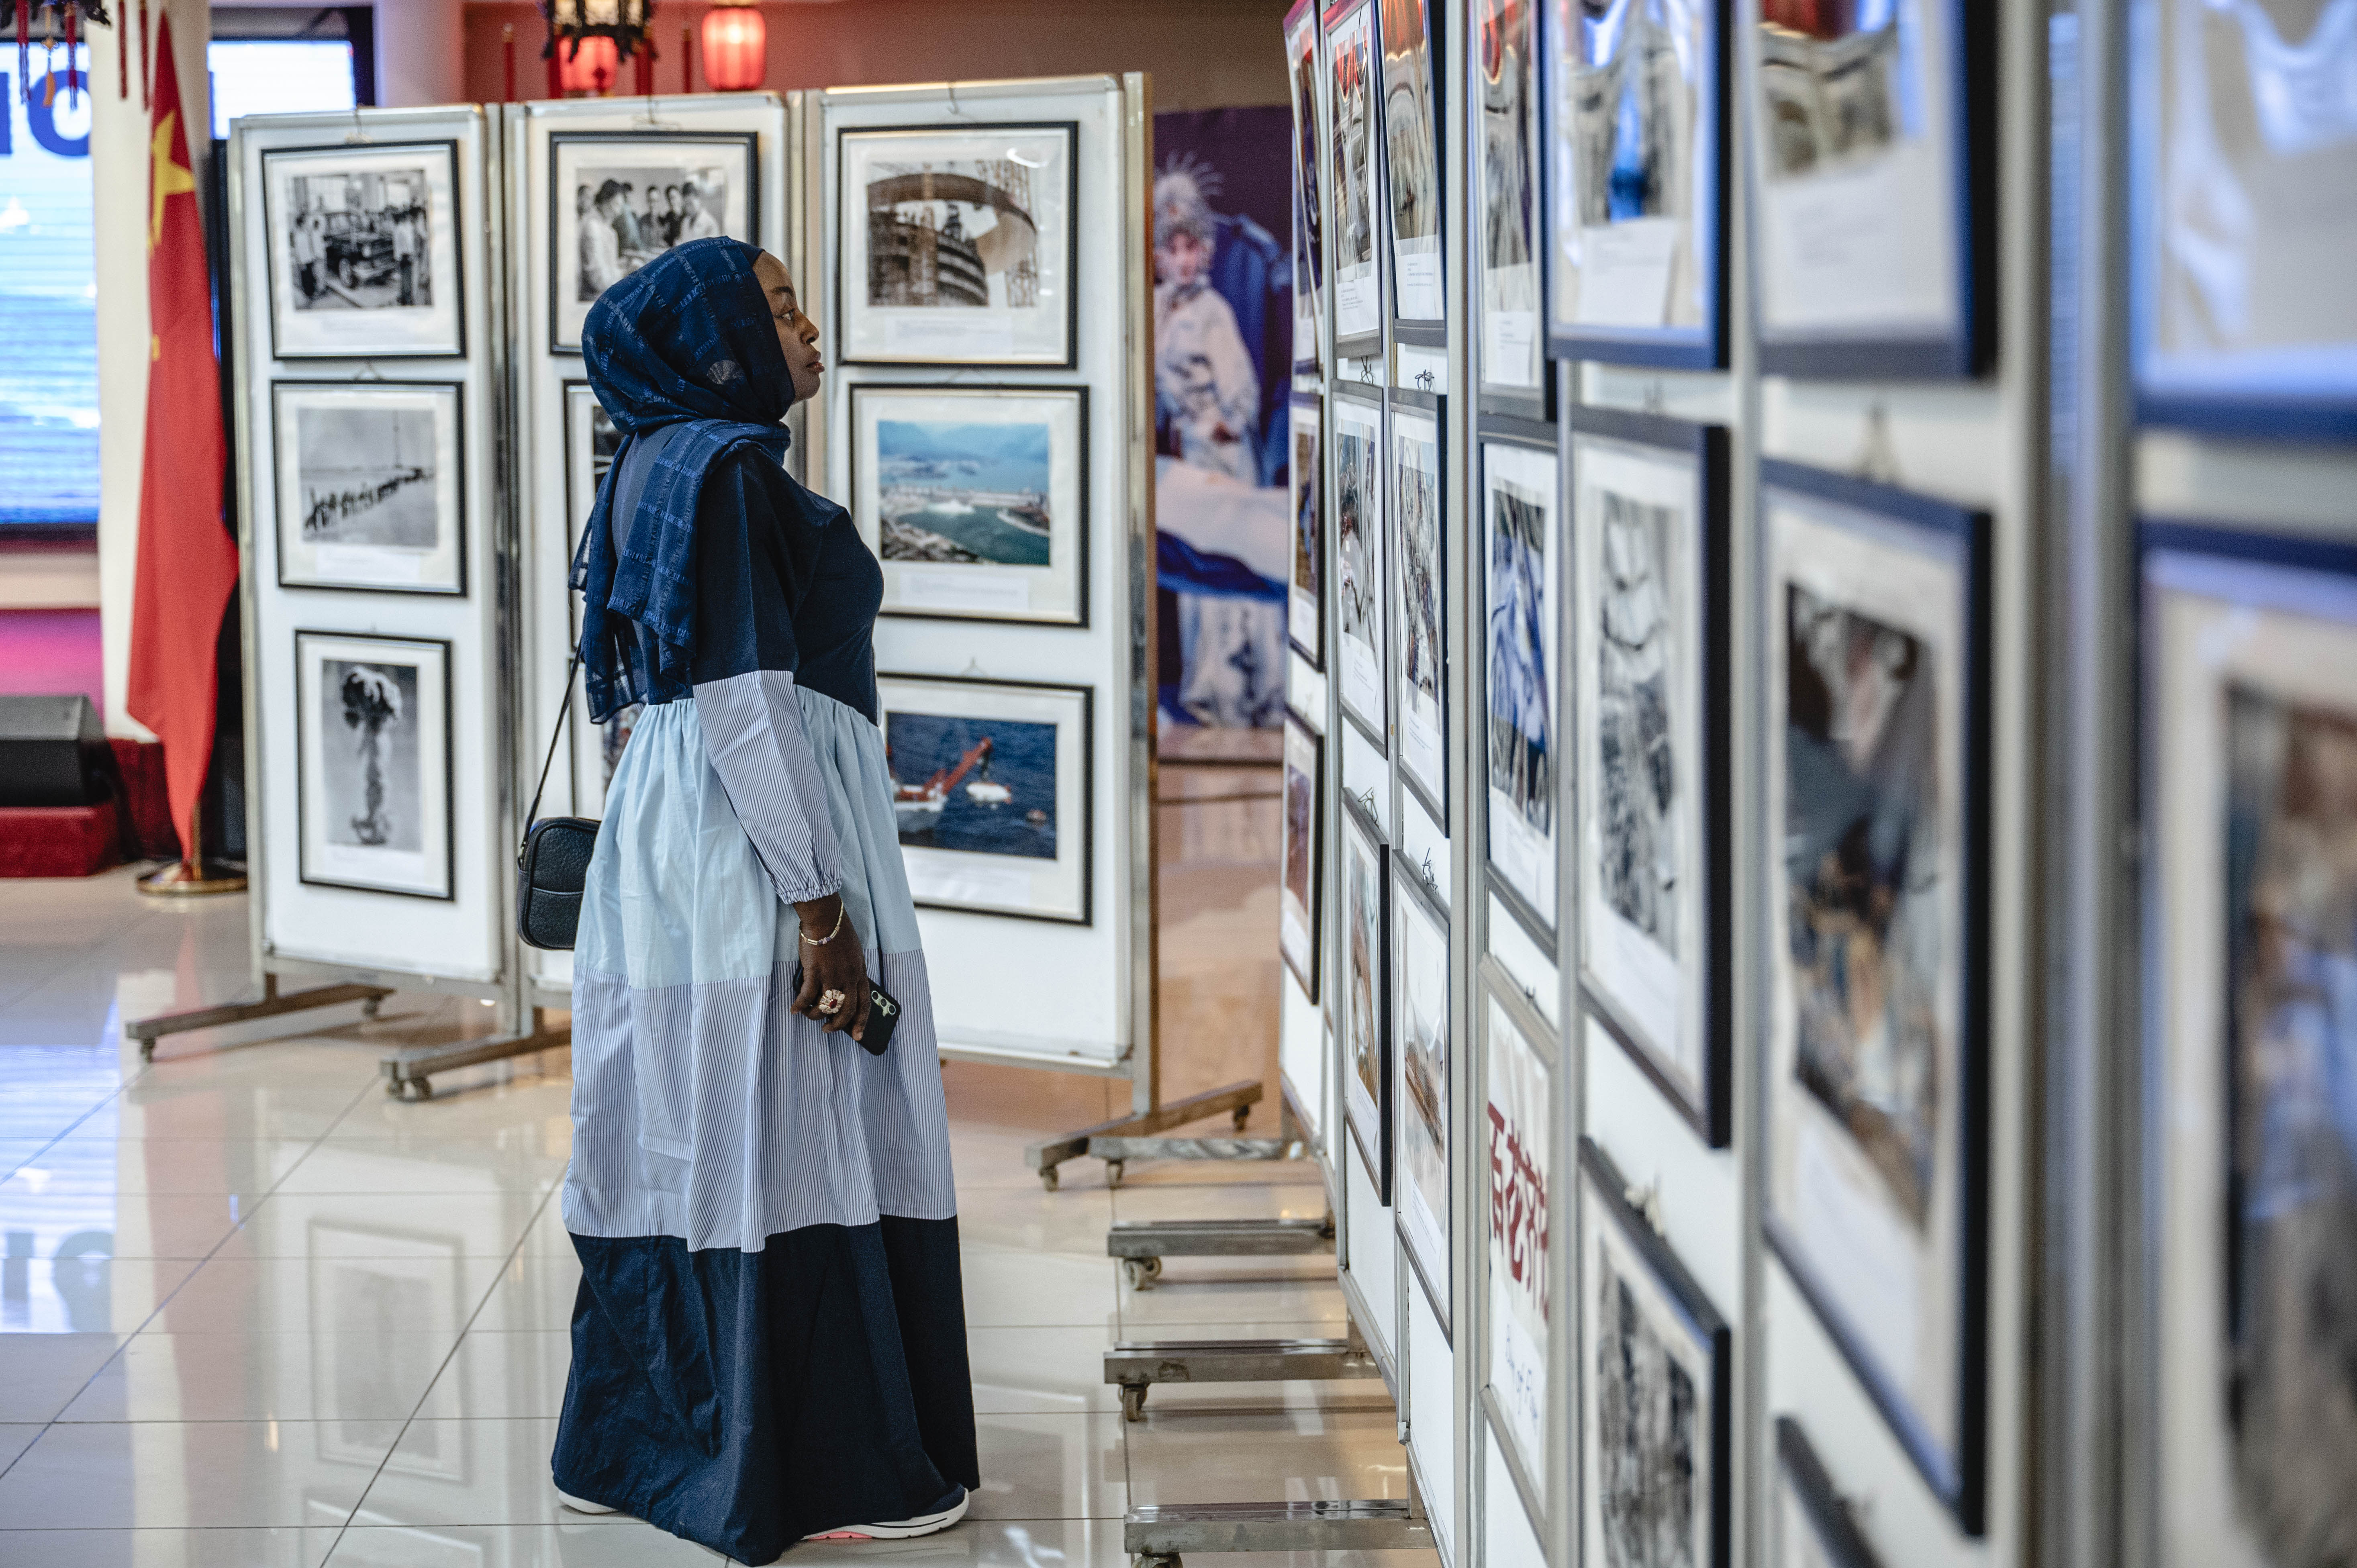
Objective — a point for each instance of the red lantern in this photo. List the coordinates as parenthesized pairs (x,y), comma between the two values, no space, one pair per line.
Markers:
(588,65)
(736,47)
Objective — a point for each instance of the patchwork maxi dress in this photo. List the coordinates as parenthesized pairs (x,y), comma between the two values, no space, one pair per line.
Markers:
(770,1337)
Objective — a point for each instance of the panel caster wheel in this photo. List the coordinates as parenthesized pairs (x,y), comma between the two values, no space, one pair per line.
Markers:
(411,1089)
(1048,1177)
(369,1007)
(1141,1273)
(1133,1402)
(1113,1172)
(1241,1115)
(1156,1560)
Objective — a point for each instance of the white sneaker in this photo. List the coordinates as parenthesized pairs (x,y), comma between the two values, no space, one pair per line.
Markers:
(581,1505)
(899,1529)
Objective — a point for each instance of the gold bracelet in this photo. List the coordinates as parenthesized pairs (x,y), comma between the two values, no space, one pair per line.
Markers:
(841,910)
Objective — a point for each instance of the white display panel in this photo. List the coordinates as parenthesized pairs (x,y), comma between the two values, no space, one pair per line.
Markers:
(561,452)
(988,975)
(406,780)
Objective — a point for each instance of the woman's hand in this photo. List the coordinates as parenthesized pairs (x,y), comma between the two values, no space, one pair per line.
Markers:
(835,965)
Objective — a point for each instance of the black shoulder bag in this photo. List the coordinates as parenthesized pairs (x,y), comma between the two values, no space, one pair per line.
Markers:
(552,862)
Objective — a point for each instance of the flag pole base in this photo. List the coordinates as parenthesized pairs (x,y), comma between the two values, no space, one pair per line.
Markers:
(182,879)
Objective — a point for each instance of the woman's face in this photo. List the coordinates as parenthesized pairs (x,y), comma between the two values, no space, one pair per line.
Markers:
(797,333)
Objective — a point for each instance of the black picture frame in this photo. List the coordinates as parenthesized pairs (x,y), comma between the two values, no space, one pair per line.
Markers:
(1419,406)
(1802,1483)
(447,149)
(1305,69)
(577,506)
(1490,396)
(1601,1181)
(1502,430)
(1956,1472)
(747,143)
(1368,402)
(1368,343)
(1087,696)
(1080,394)
(1415,897)
(1305,489)
(1430,330)
(1966,347)
(1702,348)
(303,873)
(1502,999)
(1708,551)
(1305,965)
(842,326)
(280,511)
(1374,1144)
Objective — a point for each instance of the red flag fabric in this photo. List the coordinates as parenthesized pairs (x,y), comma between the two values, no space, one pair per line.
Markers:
(187,561)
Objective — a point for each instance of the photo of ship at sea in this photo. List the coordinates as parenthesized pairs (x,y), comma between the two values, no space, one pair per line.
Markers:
(975,494)
(984,786)
(368,492)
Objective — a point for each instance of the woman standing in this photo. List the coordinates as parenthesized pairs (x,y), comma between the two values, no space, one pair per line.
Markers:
(769,1340)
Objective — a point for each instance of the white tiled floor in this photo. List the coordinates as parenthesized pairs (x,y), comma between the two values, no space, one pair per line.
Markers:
(252,1313)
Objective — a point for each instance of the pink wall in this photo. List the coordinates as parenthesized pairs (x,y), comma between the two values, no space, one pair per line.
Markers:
(46,652)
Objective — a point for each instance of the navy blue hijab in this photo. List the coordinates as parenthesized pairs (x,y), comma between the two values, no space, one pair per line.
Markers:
(687,339)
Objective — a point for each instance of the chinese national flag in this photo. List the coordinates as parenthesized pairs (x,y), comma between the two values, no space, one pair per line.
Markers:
(187,562)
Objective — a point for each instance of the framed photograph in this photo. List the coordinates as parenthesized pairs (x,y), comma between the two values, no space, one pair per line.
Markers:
(992,792)
(958,244)
(1412,99)
(1510,348)
(1876,227)
(1877,1079)
(372,485)
(1302,893)
(617,199)
(1419,965)
(591,443)
(1366,993)
(1522,556)
(1304,621)
(1420,573)
(1637,138)
(1359,585)
(1813,1527)
(976,498)
(2243,322)
(1652,666)
(1655,1418)
(1517,1079)
(2250,816)
(1350,62)
(372,755)
(363,247)
(1303,75)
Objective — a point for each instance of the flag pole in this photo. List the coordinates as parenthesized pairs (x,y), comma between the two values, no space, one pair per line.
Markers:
(190,877)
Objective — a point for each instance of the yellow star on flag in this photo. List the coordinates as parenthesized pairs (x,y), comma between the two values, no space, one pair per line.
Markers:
(168,179)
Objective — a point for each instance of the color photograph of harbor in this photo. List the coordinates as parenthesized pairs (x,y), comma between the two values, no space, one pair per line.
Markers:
(974,494)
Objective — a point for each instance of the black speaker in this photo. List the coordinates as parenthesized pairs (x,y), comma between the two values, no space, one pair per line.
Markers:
(52,752)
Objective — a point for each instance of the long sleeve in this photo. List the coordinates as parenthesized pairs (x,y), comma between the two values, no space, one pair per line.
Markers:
(753,572)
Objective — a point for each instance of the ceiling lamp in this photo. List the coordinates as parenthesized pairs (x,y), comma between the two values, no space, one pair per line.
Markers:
(735,45)
(588,39)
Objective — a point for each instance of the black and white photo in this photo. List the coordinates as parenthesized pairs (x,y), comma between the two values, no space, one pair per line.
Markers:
(1420,575)
(1875,728)
(591,443)
(363,251)
(958,245)
(2250,647)
(1420,1055)
(370,486)
(1366,993)
(1301,893)
(618,199)
(1633,181)
(1411,183)
(1358,574)
(1350,137)
(1813,1526)
(1511,350)
(990,786)
(1304,622)
(974,499)
(1657,1365)
(373,751)
(1520,554)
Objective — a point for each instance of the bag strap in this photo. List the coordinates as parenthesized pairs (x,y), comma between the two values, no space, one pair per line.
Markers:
(556,732)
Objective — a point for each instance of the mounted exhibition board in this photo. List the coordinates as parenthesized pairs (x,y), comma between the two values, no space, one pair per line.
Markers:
(1016,530)
(725,155)
(370,360)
